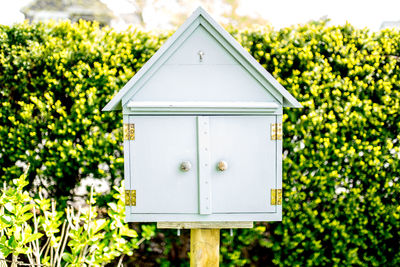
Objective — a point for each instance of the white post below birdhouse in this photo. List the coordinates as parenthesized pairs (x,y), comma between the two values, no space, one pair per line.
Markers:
(202,131)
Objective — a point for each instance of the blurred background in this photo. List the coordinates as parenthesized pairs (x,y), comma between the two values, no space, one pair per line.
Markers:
(168,14)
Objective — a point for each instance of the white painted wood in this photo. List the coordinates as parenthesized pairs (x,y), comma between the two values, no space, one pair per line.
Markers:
(213,27)
(193,108)
(243,60)
(200,17)
(203,83)
(245,144)
(161,145)
(168,47)
(241,193)
(127,178)
(201,40)
(201,111)
(203,150)
(143,79)
(256,217)
(279,144)
(204,225)
(200,104)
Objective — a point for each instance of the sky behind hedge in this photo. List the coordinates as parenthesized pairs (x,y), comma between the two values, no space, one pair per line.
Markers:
(283,13)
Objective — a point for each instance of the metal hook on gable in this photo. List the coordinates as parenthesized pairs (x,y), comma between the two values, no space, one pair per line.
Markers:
(201,55)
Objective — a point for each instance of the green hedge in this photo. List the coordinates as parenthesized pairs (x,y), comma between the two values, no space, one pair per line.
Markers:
(55,79)
(341,151)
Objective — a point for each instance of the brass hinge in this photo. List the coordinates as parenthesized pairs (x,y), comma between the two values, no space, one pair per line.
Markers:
(129,131)
(276,131)
(130,197)
(276,196)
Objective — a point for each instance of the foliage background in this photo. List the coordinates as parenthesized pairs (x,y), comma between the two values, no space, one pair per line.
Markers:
(341,151)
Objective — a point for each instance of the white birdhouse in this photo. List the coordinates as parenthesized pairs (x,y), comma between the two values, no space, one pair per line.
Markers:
(202,131)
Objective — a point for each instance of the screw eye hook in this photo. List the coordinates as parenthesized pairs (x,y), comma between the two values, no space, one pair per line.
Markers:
(201,55)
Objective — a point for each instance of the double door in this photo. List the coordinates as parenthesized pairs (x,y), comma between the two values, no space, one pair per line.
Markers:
(201,164)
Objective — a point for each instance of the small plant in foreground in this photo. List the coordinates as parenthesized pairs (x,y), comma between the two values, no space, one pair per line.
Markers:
(33,230)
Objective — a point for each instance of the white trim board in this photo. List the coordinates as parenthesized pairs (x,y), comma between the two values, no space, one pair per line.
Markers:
(198,108)
(240,217)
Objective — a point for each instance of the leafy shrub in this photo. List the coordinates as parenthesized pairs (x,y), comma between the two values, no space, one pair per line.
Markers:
(34,228)
(341,151)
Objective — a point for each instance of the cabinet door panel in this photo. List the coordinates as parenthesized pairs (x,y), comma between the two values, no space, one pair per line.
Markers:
(244,143)
(161,144)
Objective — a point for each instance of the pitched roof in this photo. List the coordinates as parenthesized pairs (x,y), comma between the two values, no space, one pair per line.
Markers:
(288,99)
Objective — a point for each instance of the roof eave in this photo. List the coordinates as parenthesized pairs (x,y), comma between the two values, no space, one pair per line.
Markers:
(291,104)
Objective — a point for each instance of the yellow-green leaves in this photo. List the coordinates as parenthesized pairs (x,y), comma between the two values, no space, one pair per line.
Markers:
(81,237)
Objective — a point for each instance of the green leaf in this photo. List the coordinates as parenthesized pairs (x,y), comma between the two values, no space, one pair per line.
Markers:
(25,217)
(148,231)
(10,207)
(99,225)
(25,208)
(5,251)
(68,257)
(125,231)
(32,237)
(22,250)
(6,219)
(12,243)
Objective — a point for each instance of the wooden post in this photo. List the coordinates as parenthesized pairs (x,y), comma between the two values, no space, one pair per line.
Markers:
(204,239)
(204,247)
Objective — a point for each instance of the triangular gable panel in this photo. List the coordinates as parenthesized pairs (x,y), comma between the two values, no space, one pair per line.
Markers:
(178,51)
(201,41)
(201,69)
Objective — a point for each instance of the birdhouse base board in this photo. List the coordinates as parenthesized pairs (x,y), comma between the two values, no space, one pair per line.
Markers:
(204,225)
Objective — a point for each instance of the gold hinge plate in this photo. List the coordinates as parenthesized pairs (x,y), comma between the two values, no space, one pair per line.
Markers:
(276,196)
(129,131)
(276,131)
(130,197)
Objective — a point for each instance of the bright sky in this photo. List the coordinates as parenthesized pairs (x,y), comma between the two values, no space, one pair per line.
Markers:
(281,13)
(9,11)
(360,13)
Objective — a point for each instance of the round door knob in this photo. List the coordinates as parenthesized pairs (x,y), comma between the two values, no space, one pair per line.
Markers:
(185,166)
(222,166)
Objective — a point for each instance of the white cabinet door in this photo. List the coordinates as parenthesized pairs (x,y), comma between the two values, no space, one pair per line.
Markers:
(161,144)
(244,143)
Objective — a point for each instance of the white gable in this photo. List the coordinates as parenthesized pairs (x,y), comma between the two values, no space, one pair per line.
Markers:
(218,76)
(224,73)
(201,40)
